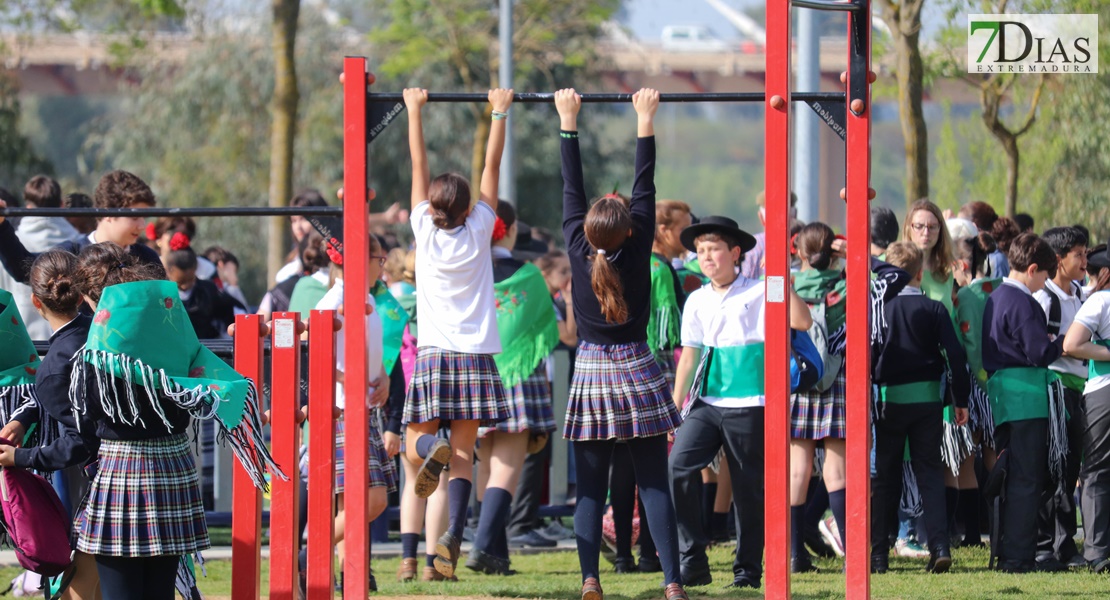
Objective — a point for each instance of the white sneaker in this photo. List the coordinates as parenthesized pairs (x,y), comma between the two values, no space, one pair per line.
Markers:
(910,549)
(831,533)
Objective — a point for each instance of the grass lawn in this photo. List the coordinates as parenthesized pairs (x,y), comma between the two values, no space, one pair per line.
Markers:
(555,575)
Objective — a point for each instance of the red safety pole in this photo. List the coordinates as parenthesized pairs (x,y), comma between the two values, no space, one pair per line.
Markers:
(356,562)
(776,334)
(321,450)
(858,370)
(246,500)
(285,392)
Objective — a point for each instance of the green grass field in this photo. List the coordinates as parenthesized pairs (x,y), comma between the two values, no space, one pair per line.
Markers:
(555,575)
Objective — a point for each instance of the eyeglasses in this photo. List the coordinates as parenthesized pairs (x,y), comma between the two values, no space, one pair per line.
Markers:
(919,227)
(381,260)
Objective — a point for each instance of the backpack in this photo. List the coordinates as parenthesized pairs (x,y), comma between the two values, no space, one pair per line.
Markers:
(806,368)
(819,334)
(35,521)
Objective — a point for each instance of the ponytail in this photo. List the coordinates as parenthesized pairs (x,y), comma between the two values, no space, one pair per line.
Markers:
(607,286)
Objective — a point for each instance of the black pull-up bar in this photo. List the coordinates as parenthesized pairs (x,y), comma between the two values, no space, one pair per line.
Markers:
(228,211)
(548,97)
(839,5)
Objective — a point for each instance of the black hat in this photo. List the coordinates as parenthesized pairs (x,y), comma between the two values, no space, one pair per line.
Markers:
(722,225)
(527,247)
(1100,258)
(331,228)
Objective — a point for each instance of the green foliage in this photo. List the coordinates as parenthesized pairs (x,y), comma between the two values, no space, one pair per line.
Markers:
(948,177)
(19,161)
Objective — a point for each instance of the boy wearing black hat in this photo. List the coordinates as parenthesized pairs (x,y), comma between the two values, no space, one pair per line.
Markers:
(722,335)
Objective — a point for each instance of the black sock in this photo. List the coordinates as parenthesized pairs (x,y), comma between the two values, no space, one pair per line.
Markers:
(424,444)
(430,560)
(836,503)
(951,503)
(797,543)
(495,511)
(969,512)
(500,547)
(458,498)
(409,542)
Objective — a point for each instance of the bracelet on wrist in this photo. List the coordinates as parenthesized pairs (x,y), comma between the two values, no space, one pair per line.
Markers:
(570,135)
(498,115)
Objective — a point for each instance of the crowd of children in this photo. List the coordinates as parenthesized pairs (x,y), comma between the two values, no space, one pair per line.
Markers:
(989,362)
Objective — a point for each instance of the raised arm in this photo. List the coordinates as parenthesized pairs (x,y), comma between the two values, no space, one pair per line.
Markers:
(415,99)
(568,103)
(500,100)
(646,102)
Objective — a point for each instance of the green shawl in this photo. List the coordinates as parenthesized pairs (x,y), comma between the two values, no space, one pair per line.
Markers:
(828,286)
(19,361)
(665,320)
(526,323)
(142,335)
(394,318)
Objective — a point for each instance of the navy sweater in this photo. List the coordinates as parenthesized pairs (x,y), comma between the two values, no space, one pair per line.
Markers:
(52,386)
(918,329)
(1015,332)
(632,260)
(17,260)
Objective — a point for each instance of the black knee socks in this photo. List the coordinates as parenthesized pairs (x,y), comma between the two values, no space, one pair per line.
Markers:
(951,503)
(969,512)
(797,529)
(458,498)
(491,523)
(409,542)
(836,503)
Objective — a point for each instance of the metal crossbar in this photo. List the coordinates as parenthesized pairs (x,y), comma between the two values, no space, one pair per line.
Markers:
(548,97)
(169,211)
(830,5)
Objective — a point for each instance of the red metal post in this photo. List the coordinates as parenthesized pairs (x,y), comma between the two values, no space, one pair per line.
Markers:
(858,370)
(777,366)
(356,563)
(285,391)
(321,440)
(246,513)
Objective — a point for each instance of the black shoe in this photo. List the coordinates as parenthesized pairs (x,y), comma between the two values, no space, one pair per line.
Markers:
(447,554)
(1049,564)
(696,576)
(940,560)
(1017,566)
(484,562)
(817,544)
(880,563)
(531,539)
(373,583)
(743,582)
(1076,562)
(625,564)
(1100,566)
(650,564)
(802,564)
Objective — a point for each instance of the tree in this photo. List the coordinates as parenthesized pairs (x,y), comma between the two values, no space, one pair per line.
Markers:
(18,159)
(283,128)
(903,17)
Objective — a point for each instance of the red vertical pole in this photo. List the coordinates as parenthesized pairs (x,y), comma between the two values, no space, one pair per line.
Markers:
(356,563)
(285,391)
(858,370)
(776,365)
(246,509)
(321,440)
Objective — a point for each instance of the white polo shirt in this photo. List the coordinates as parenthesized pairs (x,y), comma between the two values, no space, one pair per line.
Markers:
(1095,316)
(735,318)
(1069,306)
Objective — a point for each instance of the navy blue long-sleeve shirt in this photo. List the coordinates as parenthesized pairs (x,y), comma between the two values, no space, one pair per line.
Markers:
(918,329)
(632,260)
(1015,331)
(17,259)
(52,387)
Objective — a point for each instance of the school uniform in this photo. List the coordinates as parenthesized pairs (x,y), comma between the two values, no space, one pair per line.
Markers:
(909,369)
(617,390)
(816,415)
(1095,444)
(971,301)
(17,260)
(455,377)
(726,410)
(1016,355)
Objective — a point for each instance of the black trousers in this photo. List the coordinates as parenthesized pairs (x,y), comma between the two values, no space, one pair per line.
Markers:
(922,424)
(1095,500)
(524,515)
(696,443)
(1026,489)
(139,578)
(1056,522)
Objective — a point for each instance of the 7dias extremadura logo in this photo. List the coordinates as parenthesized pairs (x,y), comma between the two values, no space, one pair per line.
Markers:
(1032,44)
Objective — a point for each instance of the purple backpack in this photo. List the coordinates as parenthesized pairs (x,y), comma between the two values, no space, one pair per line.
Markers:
(36,522)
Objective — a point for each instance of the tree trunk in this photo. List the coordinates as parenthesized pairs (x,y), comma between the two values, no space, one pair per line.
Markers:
(1009,144)
(910,72)
(283,111)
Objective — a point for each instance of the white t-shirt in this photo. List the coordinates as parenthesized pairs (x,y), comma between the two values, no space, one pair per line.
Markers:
(290,269)
(735,318)
(1095,316)
(454,282)
(1069,306)
(332,300)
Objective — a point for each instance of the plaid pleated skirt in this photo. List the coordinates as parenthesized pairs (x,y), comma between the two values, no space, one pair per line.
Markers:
(144,501)
(529,404)
(381,469)
(818,415)
(618,392)
(454,386)
(667,364)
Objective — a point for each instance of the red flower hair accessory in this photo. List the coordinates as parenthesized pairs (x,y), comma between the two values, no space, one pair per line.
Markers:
(499,230)
(150,233)
(179,241)
(335,256)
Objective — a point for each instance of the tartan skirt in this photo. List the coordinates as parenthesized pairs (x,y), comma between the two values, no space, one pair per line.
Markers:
(144,501)
(529,406)
(381,469)
(667,364)
(818,415)
(618,392)
(455,386)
